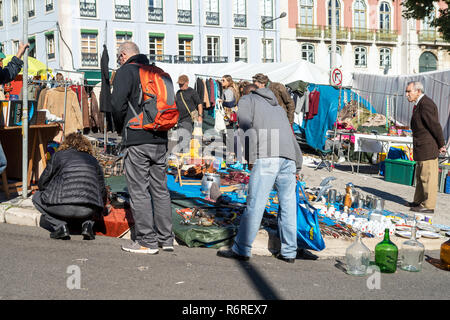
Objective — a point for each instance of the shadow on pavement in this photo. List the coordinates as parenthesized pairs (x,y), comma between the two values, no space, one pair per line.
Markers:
(264,288)
(382,194)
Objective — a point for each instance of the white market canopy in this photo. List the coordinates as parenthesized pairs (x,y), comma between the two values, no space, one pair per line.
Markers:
(283,72)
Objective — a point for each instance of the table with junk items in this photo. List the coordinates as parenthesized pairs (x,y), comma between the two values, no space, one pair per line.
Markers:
(378,143)
(11,139)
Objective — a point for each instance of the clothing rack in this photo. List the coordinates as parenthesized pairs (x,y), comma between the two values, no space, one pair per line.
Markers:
(67,84)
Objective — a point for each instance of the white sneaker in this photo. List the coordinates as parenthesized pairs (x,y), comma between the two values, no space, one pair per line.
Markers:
(168,248)
(135,247)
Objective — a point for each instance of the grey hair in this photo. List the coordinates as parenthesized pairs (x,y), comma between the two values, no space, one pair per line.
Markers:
(129,47)
(417,85)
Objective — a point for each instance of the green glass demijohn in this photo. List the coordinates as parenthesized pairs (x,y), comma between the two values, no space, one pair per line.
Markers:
(386,254)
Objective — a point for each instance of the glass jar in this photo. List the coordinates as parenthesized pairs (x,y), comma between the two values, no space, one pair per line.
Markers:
(445,254)
(411,253)
(386,254)
(357,257)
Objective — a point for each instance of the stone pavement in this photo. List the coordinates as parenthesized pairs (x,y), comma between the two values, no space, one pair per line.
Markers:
(22,211)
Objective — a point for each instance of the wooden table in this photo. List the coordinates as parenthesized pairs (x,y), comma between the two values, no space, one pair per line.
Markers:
(38,137)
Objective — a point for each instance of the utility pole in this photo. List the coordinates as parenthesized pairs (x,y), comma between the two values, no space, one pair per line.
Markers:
(25,105)
(333,34)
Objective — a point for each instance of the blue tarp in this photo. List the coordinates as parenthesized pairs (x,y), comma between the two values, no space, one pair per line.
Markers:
(316,128)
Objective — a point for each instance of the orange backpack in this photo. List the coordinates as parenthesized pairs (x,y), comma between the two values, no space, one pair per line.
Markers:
(157,102)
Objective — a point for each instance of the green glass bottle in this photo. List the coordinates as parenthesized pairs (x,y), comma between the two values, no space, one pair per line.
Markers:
(386,254)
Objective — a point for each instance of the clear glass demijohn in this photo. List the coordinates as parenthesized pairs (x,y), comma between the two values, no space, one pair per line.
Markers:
(411,253)
(357,257)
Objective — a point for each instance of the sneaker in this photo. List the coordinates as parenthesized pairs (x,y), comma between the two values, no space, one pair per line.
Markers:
(168,248)
(135,247)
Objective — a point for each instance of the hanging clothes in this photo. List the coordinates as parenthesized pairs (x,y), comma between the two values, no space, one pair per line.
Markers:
(206,102)
(84,107)
(96,117)
(54,102)
(212,95)
(41,98)
(314,98)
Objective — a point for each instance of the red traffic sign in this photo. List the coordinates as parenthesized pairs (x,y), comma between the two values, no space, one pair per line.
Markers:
(336,77)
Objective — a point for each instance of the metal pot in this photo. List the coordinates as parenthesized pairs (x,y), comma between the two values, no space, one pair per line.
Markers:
(332,195)
(207,180)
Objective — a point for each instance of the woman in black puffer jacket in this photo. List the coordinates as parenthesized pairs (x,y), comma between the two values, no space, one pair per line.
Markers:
(71,188)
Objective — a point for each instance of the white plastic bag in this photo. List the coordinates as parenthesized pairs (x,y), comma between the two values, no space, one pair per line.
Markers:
(219,125)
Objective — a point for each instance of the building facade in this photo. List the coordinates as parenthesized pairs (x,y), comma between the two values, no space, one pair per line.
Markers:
(70,34)
(372,37)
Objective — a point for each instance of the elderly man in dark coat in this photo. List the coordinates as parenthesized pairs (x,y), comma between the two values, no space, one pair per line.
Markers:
(428,142)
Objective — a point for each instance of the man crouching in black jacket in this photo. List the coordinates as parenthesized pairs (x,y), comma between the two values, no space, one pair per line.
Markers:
(145,160)
(71,188)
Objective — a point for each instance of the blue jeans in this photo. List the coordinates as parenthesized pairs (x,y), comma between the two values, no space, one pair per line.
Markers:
(3,161)
(266,173)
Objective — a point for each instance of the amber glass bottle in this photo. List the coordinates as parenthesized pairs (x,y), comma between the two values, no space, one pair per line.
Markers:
(445,254)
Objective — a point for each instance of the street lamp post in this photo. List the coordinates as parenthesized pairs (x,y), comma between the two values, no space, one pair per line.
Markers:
(282,15)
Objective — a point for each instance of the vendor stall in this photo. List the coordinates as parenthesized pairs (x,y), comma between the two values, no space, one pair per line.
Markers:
(11,140)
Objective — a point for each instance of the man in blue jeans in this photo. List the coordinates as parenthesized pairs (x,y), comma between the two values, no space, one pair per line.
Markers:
(270,146)
(7,74)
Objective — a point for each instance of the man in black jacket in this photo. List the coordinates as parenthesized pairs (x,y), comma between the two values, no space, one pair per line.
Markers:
(7,74)
(145,160)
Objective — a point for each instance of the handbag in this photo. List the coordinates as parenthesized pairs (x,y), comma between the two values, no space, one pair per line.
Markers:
(193,114)
(219,124)
(233,116)
(308,229)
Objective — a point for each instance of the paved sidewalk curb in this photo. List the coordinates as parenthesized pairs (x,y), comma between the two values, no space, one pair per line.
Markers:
(22,212)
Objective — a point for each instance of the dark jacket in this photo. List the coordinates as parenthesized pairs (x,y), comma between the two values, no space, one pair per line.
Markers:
(126,87)
(9,73)
(427,131)
(284,99)
(73,177)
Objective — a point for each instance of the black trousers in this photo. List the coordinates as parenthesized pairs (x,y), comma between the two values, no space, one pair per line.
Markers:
(55,216)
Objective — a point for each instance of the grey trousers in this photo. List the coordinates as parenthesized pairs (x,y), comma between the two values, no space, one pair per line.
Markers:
(145,171)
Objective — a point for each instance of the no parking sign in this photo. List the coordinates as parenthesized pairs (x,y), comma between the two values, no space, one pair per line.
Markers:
(336,77)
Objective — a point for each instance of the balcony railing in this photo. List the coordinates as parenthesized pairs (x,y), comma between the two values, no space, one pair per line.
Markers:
(387,35)
(184,16)
(214,59)
(341,33)
(160,58)
(240,59)
(123,12)
(155,14)
(31,13)
(88,9)
(308,31)
(361,34)
(49,7)
(89,59)
(429,36)
(15,18)
(212,18)
(186,59)
(266,25)
(240,20)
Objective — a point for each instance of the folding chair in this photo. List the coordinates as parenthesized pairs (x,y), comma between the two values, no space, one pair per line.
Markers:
(324,159)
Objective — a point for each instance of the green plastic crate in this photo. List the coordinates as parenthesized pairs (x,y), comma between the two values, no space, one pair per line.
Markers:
(399,171)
